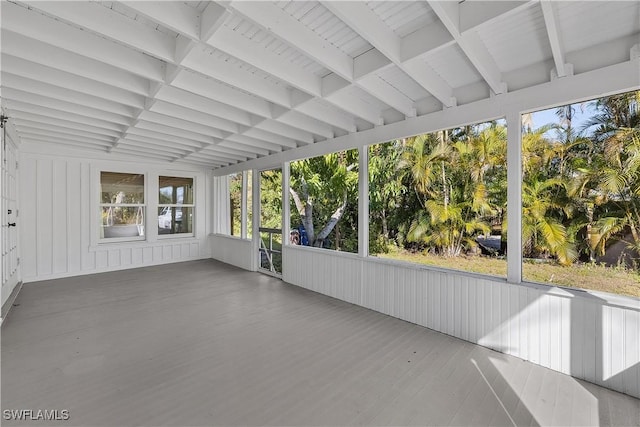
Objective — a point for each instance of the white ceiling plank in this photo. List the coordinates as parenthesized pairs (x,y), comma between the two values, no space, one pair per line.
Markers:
(195,162)
(62,94)
(225,157)
(99,19)
(240,148)
(61,140)
(354,105)
(302,121)
(143,153)
(26,132)
(238,46)
(174,15)
(382,90)
(48,121)
(221,92)
(220,149)
(193,116)
(313,108)
(202,61)
(170,131)
(43,101)
(52,142)
(293,32)
(194,159)
(34,51)
(475,13)
(220,157)
(178,123)
(151,135)
(285,130)
(24,69)
(60,115)
(270,137)
(211,19)
(45,128)
(425,40)
(370,62)
(34,25)
(253,142)
(202,104)
(366,23)
(471,45)
(370,27)
(155,146)
(553,32)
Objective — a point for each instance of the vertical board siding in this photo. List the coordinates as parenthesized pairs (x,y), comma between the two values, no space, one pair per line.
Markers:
(55,225)
(568,331)
(44,224)
(232,250)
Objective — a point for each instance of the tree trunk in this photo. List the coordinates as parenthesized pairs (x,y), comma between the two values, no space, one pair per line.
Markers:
(385,227)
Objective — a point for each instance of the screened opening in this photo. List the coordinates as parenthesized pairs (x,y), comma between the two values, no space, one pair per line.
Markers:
(581,195)
(324,201)
(440,199)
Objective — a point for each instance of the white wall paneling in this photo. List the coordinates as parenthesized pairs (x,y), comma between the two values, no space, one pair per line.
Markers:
(587,335)
(233,250)
(59,235)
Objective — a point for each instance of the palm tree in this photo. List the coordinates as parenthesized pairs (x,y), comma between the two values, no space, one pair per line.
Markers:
(450,171)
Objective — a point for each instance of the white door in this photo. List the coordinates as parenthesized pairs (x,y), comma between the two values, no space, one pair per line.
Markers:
(9,225)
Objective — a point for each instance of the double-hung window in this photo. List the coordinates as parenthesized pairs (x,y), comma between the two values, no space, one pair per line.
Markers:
(122,206)
(175,205)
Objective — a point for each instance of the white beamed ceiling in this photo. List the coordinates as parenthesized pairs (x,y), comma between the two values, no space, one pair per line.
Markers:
(218,83)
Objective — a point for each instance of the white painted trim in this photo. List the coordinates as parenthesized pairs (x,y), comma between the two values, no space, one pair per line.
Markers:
(590,85)
(286,204)
(255,219)
(243,206)
(514,197)
(363,201)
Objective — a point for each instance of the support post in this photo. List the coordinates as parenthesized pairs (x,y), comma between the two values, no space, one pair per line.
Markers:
(286,204)
(243,208)
(514,197)
(363,201)
(255,234)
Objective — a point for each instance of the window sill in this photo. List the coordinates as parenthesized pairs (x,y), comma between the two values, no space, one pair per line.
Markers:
(177,236)
(141,243)
(227,236)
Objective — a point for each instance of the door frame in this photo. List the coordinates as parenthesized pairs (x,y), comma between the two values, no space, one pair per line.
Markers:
(9,236)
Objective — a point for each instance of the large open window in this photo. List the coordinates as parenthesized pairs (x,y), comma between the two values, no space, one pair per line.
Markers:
(324,201)
(235,204)
(440,198)
(176,205)
(122,206)
(581,195)
(249,209)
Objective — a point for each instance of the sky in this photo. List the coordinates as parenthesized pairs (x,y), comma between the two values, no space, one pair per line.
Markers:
(582,113)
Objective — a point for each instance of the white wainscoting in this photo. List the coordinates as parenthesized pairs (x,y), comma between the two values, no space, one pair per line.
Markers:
(233,250)
(591,336)
(55,221)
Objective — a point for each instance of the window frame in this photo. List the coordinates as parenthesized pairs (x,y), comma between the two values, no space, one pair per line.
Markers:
(100,205)
(175,205)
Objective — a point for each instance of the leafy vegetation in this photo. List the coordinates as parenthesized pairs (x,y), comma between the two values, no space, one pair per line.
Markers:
(324,200)
(443,196)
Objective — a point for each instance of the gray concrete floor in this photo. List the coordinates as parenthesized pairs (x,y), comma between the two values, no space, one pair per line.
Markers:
(203,343)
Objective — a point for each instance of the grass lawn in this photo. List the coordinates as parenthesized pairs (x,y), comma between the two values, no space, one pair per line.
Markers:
(586,276)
